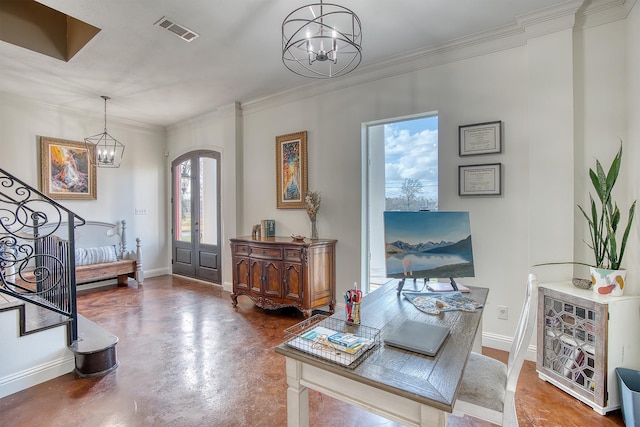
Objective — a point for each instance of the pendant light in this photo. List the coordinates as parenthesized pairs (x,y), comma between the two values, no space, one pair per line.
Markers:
(321,40)
(107,151)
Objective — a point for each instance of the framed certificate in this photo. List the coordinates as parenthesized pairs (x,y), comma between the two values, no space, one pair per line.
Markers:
(480,180)
(480,138)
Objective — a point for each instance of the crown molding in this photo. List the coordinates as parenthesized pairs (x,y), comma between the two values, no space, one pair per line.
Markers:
(576,14)
(598,12)
(119,121)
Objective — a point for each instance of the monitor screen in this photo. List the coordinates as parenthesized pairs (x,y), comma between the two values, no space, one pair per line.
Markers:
(428,245)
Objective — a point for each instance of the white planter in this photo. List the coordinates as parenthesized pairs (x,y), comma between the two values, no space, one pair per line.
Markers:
(608,282)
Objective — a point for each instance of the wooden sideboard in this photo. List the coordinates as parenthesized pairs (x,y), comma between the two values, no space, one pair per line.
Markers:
(278,272)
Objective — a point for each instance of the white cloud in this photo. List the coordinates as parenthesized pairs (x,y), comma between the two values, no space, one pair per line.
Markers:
(411,156)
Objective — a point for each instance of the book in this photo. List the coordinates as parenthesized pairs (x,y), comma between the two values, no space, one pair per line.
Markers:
(268,228)
(446,287)
(348,343)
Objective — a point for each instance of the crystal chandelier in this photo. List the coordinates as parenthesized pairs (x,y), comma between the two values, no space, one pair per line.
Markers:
(108,150)
(321,40)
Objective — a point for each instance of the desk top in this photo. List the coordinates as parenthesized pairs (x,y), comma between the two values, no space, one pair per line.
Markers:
(428,380)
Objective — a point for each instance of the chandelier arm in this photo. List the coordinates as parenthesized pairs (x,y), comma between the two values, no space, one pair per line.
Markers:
(333,35)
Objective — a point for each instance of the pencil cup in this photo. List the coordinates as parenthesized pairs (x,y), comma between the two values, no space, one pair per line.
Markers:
(355,313)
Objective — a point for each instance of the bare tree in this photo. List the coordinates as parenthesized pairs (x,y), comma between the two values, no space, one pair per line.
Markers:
(410,190)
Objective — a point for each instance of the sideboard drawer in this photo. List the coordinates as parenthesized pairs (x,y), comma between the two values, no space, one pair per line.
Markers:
(293,254)
(241,249)
(262,252)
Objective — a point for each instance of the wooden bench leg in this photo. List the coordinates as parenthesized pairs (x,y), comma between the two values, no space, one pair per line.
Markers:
(123,280)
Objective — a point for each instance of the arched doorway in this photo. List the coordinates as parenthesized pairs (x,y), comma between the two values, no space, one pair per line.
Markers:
(195,201)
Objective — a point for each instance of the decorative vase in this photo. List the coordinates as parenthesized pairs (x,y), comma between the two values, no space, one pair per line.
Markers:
(608,282)
(314,229)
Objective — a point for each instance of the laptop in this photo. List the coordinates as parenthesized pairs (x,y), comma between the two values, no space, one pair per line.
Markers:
(419,337)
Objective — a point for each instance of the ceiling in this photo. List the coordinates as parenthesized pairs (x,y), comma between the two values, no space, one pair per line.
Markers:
(153,76)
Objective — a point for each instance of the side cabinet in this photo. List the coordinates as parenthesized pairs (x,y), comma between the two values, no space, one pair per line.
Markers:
(277,272)
(582,338)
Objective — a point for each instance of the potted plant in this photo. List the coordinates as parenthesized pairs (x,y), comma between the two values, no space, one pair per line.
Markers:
(604,218)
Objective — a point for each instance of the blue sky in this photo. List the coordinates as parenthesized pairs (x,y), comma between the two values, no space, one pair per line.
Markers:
(411,152)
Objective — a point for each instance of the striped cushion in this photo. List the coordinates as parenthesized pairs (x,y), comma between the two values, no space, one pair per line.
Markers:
(86,256)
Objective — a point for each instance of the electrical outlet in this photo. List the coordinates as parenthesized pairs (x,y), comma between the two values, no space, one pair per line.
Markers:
(503,312)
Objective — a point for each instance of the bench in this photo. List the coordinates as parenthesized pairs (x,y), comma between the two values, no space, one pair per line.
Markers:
(122,266)
(100,252)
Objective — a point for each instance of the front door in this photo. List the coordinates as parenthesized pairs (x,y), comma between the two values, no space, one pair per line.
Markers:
(195,202)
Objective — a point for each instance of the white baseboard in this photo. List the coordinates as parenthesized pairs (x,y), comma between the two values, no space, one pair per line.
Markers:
(227,286)
(157,272)
(38,374)
(502,342)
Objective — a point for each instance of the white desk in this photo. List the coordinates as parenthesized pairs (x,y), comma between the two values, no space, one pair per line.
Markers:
(399,385)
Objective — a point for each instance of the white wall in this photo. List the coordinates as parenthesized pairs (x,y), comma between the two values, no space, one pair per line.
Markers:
(632,144)
(219,131)
(557,104)
(564,96)
(138,183)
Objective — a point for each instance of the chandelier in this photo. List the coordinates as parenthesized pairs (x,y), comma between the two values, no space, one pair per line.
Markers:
(108,150)
(321,40)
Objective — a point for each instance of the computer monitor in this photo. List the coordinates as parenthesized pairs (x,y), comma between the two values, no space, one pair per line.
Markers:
(427,245)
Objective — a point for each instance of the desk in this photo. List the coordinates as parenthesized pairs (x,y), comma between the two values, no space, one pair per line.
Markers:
(399,385)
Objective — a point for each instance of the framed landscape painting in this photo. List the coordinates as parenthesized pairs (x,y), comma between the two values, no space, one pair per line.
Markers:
(65,170)
(291,170)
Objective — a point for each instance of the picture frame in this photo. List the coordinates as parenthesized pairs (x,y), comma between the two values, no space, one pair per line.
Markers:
(480,180)
(480,138)
(66,172)
(291,170)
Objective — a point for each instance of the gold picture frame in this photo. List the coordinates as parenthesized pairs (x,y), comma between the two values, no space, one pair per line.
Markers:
(66,172)
(291,170)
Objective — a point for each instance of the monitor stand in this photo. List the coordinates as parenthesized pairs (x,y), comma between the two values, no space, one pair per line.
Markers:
(454,285)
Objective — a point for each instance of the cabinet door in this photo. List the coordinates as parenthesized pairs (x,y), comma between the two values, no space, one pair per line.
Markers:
(272,285)
(573,351)
(293,281)
(256,268)
(241,273)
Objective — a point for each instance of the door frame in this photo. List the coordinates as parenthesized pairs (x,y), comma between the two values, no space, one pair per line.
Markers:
(196,271)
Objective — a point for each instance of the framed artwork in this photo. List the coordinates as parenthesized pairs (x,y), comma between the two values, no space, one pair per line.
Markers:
(480,138)
(65,170)
(480,180)
(291,170)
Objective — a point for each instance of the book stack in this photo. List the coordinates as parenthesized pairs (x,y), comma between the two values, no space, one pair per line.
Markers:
(349,343)
(268,228)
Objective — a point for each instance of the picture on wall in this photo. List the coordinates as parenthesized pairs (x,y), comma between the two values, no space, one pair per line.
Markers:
(428,245)
(291,170)
(480,138)
(65,170)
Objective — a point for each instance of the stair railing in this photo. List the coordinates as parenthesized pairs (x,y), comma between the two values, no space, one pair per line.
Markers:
(36,265)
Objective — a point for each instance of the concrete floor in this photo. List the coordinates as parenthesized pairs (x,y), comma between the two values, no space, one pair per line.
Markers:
(187,358)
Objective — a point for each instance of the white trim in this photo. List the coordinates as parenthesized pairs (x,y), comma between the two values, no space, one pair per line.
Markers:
(38,374)
(502,342)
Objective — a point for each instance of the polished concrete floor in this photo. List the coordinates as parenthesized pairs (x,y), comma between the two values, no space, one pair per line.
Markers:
(187,358)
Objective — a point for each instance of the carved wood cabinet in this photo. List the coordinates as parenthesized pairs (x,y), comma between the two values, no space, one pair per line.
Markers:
(278,272)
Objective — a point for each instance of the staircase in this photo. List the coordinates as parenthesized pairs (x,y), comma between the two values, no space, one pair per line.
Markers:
(38,294)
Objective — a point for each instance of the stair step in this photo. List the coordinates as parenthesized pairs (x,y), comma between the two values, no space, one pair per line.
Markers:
(95,349)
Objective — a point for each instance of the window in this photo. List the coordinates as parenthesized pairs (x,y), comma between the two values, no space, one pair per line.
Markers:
(401,173)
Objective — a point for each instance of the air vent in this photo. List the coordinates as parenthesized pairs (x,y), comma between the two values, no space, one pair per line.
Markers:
(179,30)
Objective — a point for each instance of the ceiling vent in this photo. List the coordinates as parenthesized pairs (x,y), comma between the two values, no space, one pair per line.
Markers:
(179,30)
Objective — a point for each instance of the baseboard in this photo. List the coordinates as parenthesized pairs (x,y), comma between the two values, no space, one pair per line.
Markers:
(157,272)
(36,375)
(502,342)
(227,286)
